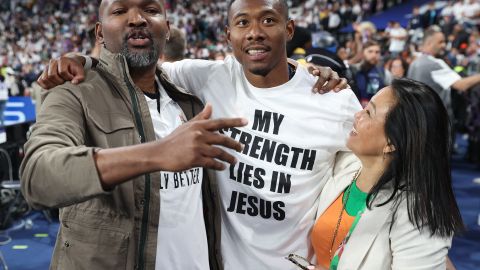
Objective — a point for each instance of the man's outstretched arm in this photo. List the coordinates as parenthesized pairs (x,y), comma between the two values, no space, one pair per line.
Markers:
(194,144)
(71,68)
(60,170)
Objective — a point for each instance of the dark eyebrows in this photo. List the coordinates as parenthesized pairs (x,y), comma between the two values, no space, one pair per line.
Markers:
(144,3)
(240,14)
(262,13)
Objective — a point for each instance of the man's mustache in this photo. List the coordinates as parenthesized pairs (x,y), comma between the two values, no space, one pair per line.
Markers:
(138,33)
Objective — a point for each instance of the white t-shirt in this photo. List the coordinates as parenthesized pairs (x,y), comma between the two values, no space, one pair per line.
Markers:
(397,45)
(182,240)
(269,198)
(445,76)
(3,91)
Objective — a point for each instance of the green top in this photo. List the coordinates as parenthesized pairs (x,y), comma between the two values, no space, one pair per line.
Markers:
(356,201)
(355,206)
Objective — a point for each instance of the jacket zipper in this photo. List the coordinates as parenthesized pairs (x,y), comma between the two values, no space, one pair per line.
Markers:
(146,195)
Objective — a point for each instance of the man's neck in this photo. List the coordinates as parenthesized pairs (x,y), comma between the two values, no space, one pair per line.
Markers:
(275,77)
(144,78)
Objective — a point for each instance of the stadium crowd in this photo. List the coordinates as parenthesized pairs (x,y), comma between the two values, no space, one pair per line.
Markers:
(35,31)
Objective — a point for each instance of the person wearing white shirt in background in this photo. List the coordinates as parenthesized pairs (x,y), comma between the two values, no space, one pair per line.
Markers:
(3,99)
(398,38)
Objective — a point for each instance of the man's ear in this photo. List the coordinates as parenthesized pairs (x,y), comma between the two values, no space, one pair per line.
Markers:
(290,29)
(167,37)
(99,33)
(227,33)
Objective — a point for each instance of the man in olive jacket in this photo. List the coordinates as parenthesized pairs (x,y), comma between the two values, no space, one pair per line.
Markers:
(93,153)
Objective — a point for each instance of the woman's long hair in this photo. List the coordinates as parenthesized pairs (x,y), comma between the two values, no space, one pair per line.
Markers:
(418,128)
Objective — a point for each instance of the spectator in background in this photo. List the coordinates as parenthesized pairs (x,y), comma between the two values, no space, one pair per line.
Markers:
(369,77)
(458,39)
(397,66)
(471,13)
(334,20)
(430,17)
(175,46)
(416,19)
(398,38)
(3,98)
(430,69)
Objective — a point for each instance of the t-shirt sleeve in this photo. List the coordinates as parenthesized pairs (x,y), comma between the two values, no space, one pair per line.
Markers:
(348,110)
(191,74)
(445,76)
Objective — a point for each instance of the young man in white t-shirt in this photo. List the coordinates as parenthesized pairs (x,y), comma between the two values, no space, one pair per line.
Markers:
(268,200)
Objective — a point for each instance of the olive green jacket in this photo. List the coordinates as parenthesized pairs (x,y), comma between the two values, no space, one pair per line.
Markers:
(103,229)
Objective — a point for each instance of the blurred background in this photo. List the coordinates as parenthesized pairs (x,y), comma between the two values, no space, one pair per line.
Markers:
(333,33)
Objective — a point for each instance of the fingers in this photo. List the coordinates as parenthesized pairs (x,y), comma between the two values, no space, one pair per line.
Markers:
(59,71)
(328,80)
(63,70)
(205,114)
(333,81)
(41,80)
(53,75)
(221,123)
(323,74)
(342,85)
(213,152)
(211,163)
(218,139)
(78,73)
(71,69)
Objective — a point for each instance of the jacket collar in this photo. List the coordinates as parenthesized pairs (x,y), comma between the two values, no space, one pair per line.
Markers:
(116,66)
(368,227)
(113,64)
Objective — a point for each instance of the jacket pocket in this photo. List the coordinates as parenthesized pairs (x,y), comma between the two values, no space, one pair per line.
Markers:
(109,129)
(108,121)
(88,247)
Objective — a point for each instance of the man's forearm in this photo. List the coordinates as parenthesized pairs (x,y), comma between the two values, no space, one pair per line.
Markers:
(466,83)
(118,165)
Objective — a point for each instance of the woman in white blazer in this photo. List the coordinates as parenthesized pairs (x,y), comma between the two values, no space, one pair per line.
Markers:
(393,207)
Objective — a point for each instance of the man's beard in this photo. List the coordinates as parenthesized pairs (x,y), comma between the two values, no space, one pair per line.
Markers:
(141,59)
(441,54)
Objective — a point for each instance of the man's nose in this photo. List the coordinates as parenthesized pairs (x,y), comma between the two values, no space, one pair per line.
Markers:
(255,32)
(136,18)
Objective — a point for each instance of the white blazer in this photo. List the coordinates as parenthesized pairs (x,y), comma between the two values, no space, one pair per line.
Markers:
(378,241)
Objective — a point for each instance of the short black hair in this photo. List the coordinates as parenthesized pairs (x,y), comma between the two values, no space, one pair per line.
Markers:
(283,4)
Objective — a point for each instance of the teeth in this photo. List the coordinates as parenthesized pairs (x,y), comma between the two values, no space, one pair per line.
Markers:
(354,131)
(255,52)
